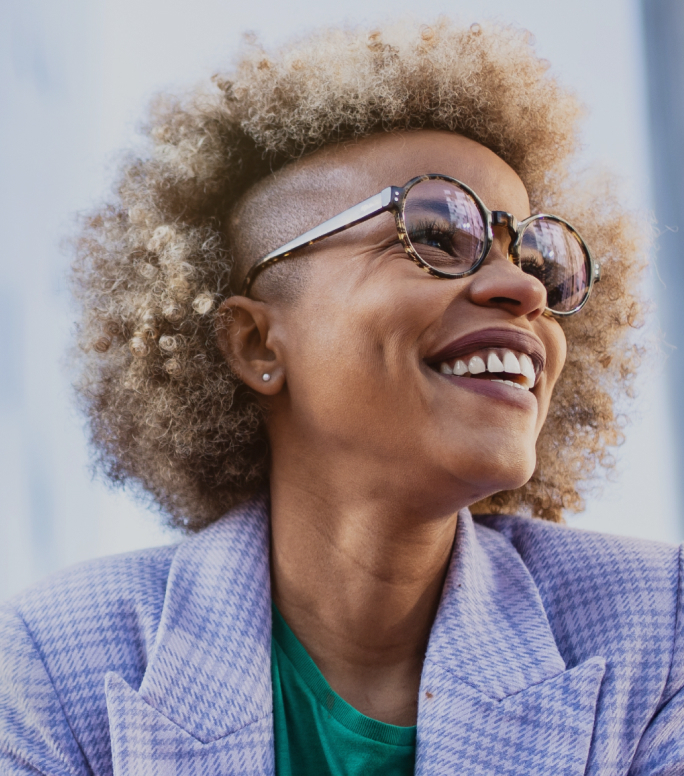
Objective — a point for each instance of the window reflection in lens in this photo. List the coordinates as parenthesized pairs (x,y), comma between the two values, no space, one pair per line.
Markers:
(552,253)
(445,225)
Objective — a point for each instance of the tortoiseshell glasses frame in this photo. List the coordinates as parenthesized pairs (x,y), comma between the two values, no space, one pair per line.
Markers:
(393,199)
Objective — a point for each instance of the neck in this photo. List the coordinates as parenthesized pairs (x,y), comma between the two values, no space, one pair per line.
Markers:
(357,573)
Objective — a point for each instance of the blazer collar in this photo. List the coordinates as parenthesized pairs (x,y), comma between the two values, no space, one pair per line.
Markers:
(209,672)
(205,703)
(491,629)
(493,677)
(496,696)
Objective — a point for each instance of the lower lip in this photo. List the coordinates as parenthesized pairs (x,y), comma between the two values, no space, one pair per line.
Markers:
(516,396)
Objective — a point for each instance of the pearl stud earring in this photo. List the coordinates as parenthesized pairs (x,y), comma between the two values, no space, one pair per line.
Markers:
(266,377)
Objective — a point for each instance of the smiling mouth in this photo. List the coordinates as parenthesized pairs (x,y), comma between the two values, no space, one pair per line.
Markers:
(507,355)
(498,365)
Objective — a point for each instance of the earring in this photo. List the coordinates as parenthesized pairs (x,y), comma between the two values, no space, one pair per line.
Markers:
(266,377)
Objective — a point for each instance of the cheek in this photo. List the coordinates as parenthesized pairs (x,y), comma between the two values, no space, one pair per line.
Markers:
(353,369)
(556,350)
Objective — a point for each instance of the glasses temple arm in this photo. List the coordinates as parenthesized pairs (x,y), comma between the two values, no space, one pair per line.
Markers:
(387,199)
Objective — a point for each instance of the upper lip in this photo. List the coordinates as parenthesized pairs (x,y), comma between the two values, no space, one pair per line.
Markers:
(513,339)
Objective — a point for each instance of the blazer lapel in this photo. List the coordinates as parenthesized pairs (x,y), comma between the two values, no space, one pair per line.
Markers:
(495,696)
(205,702)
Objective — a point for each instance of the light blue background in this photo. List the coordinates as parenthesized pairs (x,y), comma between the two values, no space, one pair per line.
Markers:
(75,78)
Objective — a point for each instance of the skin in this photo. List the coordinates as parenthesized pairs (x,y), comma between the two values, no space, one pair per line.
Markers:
(373,451)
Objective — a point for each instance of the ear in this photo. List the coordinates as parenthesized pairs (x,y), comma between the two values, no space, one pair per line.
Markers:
(245,336)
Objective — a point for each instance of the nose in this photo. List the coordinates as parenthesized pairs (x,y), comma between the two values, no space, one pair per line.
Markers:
(500,283)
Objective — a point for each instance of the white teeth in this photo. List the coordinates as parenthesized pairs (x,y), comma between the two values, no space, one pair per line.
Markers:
(494,363)
(510,382)
(511,363)
(527,367)
(476,366)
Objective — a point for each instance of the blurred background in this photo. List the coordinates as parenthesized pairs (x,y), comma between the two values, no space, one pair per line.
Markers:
(75,79)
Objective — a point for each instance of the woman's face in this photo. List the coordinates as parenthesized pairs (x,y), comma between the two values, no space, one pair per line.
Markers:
(363,346)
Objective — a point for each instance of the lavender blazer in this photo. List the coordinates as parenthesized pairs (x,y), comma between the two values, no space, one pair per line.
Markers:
(554,651)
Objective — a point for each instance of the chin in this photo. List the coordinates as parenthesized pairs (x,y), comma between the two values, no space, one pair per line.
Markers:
(494,472)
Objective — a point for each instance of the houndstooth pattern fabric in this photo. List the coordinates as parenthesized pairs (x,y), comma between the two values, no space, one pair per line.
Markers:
(554,651)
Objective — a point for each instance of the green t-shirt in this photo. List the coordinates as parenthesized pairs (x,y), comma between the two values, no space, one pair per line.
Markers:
(319,734)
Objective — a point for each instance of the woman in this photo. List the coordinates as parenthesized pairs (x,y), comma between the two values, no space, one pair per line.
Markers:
(323,318)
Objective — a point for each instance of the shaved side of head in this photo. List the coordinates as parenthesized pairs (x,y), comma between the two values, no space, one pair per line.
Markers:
(283,206)
(274,211)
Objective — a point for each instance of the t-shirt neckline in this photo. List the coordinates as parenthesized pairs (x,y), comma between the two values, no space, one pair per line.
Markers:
(335,705)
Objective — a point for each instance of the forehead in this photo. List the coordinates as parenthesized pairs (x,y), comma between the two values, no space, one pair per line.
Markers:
(356,171)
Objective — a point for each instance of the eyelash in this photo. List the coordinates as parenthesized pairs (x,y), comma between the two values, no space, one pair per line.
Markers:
(430,229)
(432,232)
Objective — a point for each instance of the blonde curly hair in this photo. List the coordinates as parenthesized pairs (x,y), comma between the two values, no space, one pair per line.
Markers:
(166,412)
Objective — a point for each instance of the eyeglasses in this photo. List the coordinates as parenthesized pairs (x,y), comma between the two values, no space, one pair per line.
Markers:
(446,229)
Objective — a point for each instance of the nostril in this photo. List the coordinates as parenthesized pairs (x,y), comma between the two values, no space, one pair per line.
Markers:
(504,300)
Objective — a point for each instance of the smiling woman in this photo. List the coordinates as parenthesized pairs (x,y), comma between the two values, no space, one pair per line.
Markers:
(166,410)
(348,299)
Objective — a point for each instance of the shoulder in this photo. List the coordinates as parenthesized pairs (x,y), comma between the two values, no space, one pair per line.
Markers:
(118,598)
(557,554)
(604,595)
(61,637)
(608,578)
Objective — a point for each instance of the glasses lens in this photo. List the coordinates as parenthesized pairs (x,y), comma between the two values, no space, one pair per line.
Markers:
(554,254)
(445,226)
